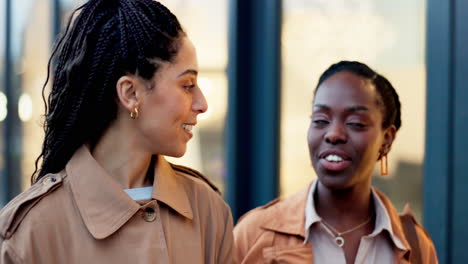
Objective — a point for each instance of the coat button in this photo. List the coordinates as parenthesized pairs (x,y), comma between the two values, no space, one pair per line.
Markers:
(150,214)
(49,180)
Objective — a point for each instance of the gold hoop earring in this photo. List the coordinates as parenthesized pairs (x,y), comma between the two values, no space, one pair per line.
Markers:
(134,114)
(383,165)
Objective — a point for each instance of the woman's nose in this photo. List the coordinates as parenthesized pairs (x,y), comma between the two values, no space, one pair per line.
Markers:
(336,134)
(199,104)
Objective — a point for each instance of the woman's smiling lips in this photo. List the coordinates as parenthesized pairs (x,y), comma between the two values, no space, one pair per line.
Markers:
(334,160)
(188,129)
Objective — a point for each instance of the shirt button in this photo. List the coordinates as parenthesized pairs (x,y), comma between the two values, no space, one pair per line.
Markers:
(49,180)
(150,214)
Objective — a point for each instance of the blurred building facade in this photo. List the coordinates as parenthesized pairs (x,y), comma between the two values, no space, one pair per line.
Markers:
(259,64)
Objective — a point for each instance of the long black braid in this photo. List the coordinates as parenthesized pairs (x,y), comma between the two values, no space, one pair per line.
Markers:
(106,40)
(390,99)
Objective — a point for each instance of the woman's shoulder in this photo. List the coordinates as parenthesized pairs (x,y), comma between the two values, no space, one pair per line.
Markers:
(249,231)
(199,188)
(273,216)
(418,239)
(195,176)
(422,247)
(276,208)
(254,218)
(278,222)
(36,200)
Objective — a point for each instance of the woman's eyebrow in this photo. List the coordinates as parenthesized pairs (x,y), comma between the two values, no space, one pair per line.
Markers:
(356,108)
(188,71)
(322,106)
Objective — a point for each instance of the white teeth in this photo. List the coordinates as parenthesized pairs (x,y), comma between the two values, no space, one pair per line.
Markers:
(333,158)
(187,127)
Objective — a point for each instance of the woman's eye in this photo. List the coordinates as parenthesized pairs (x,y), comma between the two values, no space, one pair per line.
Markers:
(357,125)
(189,87)
(320,122)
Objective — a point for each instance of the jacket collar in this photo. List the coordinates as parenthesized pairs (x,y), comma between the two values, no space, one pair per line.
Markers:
(103,204)
(169,189)
(383,220)
(288,216)
(396,224)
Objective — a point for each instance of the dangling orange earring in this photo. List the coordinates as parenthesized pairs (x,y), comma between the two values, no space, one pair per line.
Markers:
(383,165)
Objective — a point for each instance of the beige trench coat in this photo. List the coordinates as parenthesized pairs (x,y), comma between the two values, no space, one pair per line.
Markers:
(81,215)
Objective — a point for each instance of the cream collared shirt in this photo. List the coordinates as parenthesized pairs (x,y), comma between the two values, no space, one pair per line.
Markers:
(377,247)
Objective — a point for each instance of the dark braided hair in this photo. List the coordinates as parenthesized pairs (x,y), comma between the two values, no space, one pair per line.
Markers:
(390,99)
(106,40)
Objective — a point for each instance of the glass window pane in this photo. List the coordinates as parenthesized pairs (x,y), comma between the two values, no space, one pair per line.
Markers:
(205,22)
(31,31)
(3,100)
(389,37)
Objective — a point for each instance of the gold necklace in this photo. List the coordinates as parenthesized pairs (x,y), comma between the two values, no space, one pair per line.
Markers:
(339,240)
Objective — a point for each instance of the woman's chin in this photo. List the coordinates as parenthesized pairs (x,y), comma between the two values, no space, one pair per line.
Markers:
(335,181)
(176,153)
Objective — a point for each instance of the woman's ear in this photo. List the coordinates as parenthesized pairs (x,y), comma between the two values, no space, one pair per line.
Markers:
(389,137)
(127,92)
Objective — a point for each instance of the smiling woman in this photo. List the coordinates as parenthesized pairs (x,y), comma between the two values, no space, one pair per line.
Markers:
(340,217)
(169,107)
(124,95)
(348,117)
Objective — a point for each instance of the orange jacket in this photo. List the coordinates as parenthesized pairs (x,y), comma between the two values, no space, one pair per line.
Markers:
(274,233)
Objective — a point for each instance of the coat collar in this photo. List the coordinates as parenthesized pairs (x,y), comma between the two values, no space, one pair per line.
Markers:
(288,216)
(396,224)
(103,204)
(169,189)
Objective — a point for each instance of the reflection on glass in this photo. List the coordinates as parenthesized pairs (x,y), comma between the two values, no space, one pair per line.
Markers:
(389,37)
(3,99)
(31,50)
(205,22)
(3,106)
(25,107)
(66,7)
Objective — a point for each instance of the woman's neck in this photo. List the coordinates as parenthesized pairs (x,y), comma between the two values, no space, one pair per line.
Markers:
(344,209)
(119,154)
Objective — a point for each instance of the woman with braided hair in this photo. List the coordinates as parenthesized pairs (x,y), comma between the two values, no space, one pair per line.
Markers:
(124,94)
(340,217)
